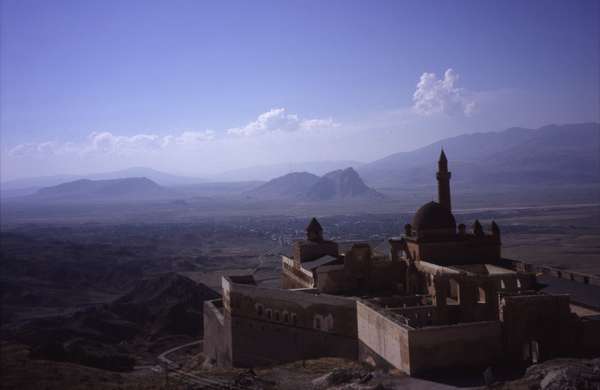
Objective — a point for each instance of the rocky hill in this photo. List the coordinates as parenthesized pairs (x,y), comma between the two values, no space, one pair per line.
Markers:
(168,303)
(108,336)
(339,184)
(292,185)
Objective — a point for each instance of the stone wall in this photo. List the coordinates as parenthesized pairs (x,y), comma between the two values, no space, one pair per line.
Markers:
(383,336)
(293,276)
(453,251)
(305,250)
(542,319)
(214,346)
(332,279)
(260,343)
(476,344)
(589,336)
(273,325)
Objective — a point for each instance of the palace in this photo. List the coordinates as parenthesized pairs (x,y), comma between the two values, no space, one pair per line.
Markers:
(443,297)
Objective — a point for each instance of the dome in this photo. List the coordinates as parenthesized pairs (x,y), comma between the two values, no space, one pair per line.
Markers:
(434,217)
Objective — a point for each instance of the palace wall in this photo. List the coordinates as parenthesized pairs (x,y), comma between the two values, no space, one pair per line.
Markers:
(474,344)
(215,346)
(272,325)
(545,320)
(382,337)
(292,276)
(385,340)
(589,336)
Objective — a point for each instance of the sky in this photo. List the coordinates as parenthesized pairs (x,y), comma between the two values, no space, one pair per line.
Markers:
(199,87)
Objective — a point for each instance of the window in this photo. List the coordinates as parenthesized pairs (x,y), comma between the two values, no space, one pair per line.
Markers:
(430,280)
(286,317)
(276,316)
(482,297)
(294,319)
(454,292)
(518,283)
(502,284)
(317,323)
(269,314)
(259,310)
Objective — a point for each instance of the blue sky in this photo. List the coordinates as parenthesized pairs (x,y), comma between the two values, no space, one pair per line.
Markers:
(196,87)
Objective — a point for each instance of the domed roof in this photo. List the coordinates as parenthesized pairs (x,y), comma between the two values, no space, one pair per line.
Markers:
(433,216)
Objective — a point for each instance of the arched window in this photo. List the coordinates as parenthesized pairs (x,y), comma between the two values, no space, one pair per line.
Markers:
(286,317)
(276,315)
(482,297)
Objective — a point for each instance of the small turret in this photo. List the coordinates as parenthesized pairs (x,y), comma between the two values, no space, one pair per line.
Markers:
(314,231)
(408,229)
(477,229)
(495,229)
(462,229)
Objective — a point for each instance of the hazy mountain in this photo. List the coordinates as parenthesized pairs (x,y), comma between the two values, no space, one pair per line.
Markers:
(133,188)
(161,178)
(551,154)
(30,185)
(268,172)
(338,184)
(292,185)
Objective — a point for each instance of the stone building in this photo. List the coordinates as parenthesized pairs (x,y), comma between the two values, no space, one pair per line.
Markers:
(444,297)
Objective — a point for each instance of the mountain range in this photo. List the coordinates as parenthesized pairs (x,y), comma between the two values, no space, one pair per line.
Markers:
(26,186)
(336,185)
(555,154)
(85,190)
(268,172)
(566,154)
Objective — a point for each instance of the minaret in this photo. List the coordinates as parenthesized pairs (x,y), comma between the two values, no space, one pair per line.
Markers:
(443,177)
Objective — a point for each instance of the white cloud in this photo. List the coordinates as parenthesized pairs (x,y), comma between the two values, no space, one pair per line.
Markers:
(434,95)
(277,120)
(108,143)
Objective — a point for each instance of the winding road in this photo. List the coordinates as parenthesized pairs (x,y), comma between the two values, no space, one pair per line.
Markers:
(173,370)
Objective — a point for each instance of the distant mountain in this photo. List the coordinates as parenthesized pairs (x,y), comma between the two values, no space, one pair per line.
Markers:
(161,178)
(339,184)
(133,188)
(566,154)
(268,172)
(30,185)
(292,185)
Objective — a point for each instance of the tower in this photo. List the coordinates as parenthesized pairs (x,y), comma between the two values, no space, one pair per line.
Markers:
(314,231)
(443,178)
